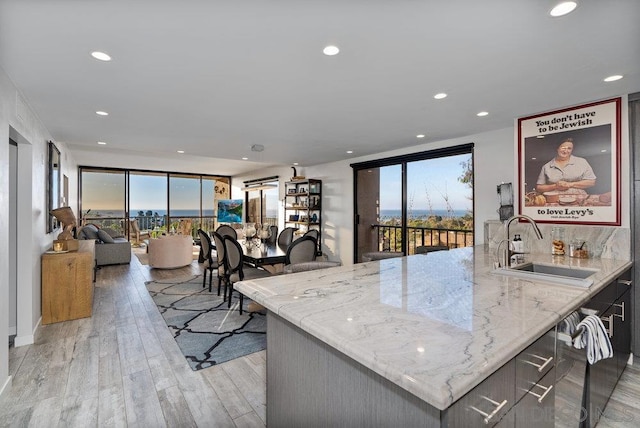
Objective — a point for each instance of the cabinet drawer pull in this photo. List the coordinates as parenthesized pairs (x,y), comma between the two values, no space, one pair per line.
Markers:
(488,416)
(609,319)
(540,367)
(547,390)
(625,282)
(621,306)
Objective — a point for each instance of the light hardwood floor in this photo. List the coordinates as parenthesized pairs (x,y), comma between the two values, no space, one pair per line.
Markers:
(122,367)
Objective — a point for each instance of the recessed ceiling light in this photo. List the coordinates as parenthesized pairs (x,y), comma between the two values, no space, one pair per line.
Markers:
(180,151)
(482,113)
(603,151)
(534,158)
(349,151)
(101,56)
(563,8)
(102,113)
(440,96)
(245,158)
(420,136)
(102,143)
(330,50)
(613,78)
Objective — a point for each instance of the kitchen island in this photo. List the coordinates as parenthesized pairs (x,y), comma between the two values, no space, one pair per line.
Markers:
(404,337)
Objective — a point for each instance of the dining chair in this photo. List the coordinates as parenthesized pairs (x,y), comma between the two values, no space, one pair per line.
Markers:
(301,250)
(312,232)
(209,263)
(274,234)
(222,265)
(424,249)
(236,267)
(226,230)
(286,236)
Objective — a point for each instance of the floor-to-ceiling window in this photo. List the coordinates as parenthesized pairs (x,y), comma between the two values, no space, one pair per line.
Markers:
(103,198)
(417,200)
(157,200)
(148,200)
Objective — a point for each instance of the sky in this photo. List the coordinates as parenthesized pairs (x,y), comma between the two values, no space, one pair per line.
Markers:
(432,178)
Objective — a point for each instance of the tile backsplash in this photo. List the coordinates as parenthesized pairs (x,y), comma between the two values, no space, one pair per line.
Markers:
(608,242)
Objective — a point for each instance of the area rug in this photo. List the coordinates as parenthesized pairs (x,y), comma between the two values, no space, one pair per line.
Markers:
(207,332)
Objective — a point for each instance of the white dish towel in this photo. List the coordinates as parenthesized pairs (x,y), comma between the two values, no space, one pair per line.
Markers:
(594,338)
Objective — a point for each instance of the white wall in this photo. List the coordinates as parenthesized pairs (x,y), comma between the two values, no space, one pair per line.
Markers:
(19,122)
(493,164)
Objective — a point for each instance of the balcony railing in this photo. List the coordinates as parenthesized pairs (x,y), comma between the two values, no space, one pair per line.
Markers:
(152,224)
(390,237)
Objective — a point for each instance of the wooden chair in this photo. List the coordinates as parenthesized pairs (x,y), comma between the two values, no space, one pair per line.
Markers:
(226,230)
(236,268)
(301,250)
(274,235)
(286,236)
(222,264)
(312,232)
(134,231)
(209,263)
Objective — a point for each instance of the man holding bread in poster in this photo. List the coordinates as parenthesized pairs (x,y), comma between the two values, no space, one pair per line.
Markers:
(565,173)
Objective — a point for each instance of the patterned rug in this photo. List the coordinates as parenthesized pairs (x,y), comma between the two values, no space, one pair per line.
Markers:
(207,332)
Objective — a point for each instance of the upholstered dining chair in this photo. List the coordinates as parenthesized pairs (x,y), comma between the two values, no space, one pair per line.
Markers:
(301,250)
(286,236)
(236,267)
(312,232)
(226,230)
(273,237)
(222,265)
(209,264)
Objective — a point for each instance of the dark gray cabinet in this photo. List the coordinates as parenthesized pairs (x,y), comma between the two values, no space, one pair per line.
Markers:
(487,403)
(613,303)
(511,397)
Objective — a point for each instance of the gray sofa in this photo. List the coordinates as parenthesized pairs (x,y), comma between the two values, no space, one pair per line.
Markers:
(111,248)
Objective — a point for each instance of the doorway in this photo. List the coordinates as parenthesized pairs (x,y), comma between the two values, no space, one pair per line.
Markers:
(13,240)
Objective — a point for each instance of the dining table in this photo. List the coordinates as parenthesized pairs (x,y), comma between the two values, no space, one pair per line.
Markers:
(263,254)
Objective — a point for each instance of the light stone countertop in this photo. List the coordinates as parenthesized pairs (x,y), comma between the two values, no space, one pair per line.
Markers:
(435,324)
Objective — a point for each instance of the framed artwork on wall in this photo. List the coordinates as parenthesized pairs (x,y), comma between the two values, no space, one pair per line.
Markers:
(569,164)
(53,186)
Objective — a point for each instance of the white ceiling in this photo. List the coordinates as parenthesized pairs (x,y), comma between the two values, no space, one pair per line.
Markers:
(214,77)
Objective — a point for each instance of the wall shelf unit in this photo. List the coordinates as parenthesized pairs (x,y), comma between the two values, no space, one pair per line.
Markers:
(303,206)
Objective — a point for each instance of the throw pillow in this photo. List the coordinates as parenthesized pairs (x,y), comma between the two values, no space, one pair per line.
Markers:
(105,237)
(90,231)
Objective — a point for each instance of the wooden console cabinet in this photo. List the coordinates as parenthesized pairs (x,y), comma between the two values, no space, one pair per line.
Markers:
(67,284)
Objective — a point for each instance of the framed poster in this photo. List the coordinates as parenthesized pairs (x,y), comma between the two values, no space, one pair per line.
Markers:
(569,164)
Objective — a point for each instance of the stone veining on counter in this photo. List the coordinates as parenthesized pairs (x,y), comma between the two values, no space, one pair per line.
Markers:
(435,324)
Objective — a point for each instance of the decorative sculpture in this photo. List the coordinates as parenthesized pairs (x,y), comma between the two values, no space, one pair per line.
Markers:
(65,216)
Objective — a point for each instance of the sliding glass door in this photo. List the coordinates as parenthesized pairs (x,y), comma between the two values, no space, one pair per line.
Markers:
(410,203)
(379,209)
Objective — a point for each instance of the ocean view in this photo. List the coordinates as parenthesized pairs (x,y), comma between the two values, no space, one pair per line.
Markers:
(389,214)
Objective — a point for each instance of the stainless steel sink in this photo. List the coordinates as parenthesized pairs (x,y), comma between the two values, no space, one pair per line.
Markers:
(558,274)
